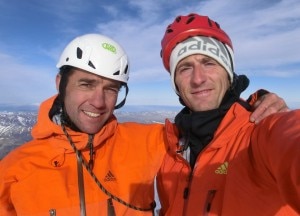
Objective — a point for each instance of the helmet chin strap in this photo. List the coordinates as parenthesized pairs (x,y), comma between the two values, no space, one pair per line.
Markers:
(124,100)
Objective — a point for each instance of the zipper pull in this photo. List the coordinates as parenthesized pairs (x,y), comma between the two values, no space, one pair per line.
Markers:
(185,193)
(52,212)
(209,199)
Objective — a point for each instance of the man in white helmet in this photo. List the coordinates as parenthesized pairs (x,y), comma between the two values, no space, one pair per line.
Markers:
(81,161)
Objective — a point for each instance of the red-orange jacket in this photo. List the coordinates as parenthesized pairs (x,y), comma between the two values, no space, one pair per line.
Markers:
(41,175)
(246,169)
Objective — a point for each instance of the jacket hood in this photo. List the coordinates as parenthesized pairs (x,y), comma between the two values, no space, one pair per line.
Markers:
(45,128)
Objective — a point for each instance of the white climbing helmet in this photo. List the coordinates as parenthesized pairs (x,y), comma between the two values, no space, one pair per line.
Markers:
(97,54)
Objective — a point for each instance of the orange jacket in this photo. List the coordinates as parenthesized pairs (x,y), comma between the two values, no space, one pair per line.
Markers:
(41,175)
(246,169)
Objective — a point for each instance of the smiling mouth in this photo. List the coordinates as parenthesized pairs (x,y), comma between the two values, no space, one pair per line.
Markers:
(202,92)
(91,114)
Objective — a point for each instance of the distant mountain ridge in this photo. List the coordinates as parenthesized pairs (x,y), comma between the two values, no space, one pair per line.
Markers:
(15,129)
(18,108)
(16,122)
(125,108)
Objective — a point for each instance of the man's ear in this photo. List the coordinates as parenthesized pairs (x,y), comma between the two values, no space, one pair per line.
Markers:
(57,81)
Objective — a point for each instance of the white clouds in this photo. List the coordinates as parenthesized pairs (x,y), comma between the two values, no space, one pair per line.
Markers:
(64,10)
(146,9)
(265,35)
(23,84)
(141,41)
(272,72)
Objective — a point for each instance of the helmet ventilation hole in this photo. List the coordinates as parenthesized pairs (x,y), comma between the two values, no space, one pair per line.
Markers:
(209,22)
(79,53)
(91,65)
(126,69)
(190,19)
(116,73)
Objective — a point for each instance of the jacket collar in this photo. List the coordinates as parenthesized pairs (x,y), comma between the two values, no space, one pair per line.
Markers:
(46,129)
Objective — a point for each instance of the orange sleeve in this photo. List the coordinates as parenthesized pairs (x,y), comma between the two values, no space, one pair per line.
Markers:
(277,145)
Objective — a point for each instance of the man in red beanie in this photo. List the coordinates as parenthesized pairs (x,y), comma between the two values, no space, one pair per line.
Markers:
(218,162)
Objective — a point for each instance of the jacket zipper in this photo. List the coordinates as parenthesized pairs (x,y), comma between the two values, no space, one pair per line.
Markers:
(209,198)
(208,202)
(186,193)
(110,208)
(92,153)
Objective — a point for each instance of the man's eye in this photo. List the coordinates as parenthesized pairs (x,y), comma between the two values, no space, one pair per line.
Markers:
(183,69)
(85,84)
(112,90)
(210,63)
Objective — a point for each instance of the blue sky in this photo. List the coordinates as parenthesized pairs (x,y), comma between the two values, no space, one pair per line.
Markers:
(265,35)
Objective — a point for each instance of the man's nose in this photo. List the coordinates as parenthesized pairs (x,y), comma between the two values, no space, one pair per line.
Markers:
(199,75)
(97,98)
